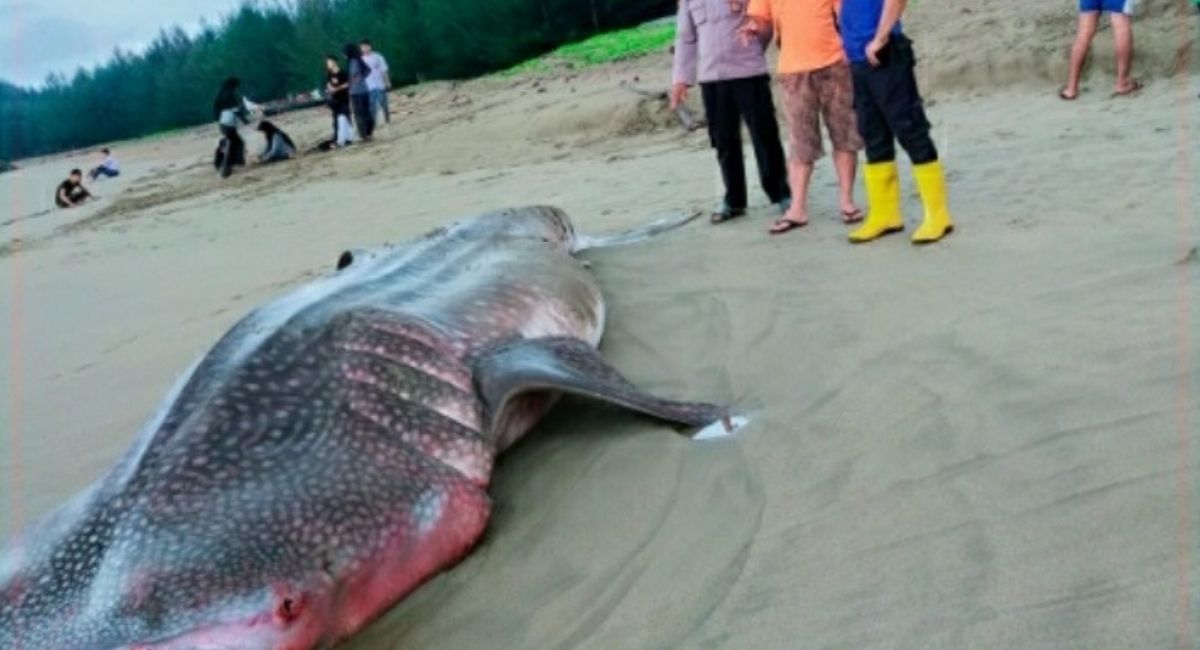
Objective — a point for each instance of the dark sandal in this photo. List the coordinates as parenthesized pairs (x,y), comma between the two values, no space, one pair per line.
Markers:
(854,216)
(1134,88)
(1062,94)
(721,216)
(785,225)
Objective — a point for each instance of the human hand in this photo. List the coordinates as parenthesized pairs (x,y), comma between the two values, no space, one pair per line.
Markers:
(874,47)
(679,94)
(750,30)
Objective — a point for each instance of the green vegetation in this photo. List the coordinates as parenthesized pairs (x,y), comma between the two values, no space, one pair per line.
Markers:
(604,48)
(278,49)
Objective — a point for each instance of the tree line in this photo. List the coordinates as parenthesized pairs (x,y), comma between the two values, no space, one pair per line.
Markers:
(278,49)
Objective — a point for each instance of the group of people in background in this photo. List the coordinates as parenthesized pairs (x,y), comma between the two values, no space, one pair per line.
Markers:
(361,88)
(71,192)
(355,95)
(231,109)
(845,62)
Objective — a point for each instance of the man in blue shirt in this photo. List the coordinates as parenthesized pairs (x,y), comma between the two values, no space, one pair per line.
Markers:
(889,108)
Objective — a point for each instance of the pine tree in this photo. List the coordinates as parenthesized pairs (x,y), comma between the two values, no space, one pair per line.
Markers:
(279,49)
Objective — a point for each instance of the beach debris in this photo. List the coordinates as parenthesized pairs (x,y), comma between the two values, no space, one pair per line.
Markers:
(1192,257)
(686,118)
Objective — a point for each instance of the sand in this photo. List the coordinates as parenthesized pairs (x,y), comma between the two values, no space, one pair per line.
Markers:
(988,443)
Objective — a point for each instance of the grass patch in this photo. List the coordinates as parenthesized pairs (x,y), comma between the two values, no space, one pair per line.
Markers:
(604,48)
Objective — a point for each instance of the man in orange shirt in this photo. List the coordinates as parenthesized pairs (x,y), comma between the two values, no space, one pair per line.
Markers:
(816,81)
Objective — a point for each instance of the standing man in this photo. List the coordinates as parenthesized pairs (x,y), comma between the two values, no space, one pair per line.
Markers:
(735,87)
(889,108)
(379,82)
(816,82)
(1121,15)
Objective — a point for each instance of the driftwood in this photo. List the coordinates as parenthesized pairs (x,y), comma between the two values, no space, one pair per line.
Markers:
(686,119)
(287,106)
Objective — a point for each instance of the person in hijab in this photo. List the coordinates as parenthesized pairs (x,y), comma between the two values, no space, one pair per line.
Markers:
(360,93)
(278,146)
(228,109)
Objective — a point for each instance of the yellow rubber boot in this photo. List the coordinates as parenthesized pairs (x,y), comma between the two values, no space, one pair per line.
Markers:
(931,182)
(883,198)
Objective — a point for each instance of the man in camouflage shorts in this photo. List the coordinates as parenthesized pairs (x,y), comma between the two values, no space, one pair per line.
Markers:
(816,81)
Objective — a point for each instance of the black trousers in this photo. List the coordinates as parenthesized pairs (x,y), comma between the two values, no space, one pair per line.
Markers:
(231,152)
(364,121)
(889,107)
(727,104)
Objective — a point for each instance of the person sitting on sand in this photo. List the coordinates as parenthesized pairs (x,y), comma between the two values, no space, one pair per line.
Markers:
(816,82)
(735,87)
(889,108)
(337,90)
(278,145)
(109,168)
(71,192)
(229,109)
(1121,15)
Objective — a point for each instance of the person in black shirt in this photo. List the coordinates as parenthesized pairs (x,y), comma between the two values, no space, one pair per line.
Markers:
(71,192)
(337,89)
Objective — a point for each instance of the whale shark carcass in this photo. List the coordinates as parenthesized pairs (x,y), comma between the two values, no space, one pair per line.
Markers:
(331,452)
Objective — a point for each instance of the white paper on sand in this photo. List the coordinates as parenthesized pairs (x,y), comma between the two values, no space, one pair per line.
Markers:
(718,430)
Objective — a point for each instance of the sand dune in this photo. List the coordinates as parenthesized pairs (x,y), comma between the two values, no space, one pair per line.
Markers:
(985,444)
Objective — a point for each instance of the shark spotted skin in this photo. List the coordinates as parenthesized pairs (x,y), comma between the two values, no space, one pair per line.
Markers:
(329,454)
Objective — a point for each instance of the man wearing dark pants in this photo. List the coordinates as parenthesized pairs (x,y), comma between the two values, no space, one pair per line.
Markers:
(735,87)
(888,106)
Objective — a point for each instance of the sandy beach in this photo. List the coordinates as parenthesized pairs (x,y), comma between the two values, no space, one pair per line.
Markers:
(988,443)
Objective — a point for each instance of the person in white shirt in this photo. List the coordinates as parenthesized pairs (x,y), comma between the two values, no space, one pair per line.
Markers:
(108,169)
(379,82)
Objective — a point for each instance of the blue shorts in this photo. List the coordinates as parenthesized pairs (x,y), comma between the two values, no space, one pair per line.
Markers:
(1110,6)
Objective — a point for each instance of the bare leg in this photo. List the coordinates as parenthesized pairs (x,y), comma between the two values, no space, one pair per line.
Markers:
(1123,37)
(1079,51)
(846,164)
(799,175)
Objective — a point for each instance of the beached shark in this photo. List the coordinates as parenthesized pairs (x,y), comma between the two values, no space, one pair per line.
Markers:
(330,453)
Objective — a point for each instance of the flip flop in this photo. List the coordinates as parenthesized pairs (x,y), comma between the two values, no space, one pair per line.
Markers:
(1134,88)
(785,225)
(853,216)
(1062,94)
(722,217)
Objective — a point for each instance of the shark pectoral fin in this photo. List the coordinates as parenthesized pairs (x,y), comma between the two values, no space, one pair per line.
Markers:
(585,242)
(571,366)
